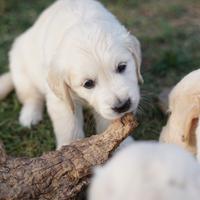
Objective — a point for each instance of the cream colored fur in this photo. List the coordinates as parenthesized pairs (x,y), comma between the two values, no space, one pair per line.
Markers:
(72,41)
(147,171)
(6,85)
(184,111)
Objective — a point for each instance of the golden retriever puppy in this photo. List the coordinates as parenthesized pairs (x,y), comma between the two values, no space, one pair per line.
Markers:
(184,111)
(77,52)
(147,171)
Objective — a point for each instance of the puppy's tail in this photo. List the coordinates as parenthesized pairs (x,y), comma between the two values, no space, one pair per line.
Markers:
(6,85)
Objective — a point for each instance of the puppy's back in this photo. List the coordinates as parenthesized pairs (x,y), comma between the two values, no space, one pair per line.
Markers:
(52,25)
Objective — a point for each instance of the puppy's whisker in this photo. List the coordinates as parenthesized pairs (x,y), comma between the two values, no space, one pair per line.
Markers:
(141,109)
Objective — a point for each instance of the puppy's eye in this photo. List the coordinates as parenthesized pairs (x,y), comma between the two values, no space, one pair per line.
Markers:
(89,84)
(121,68)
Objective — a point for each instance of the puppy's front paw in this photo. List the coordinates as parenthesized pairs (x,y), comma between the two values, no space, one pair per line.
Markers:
(65,138)
(30,115)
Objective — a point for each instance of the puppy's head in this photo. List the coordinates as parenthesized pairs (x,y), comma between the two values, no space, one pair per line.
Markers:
(184,109)
(126,175)
(101,67)
(182,123)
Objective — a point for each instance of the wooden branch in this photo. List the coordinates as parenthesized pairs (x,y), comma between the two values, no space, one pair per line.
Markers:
(60,175)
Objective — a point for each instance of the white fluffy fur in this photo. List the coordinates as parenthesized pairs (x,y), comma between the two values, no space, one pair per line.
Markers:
(184,109)
(74,40)
(148,171)
(6,85)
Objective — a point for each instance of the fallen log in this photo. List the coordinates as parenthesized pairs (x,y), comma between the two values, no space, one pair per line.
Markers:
(60,175)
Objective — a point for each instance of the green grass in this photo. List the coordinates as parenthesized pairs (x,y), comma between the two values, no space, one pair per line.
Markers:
(170,37)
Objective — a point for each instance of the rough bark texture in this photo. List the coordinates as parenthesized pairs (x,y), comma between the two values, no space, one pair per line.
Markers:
(60,175)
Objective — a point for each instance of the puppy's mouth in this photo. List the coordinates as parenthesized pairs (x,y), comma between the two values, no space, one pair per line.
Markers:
(125,107)
(122,107)
(120,110)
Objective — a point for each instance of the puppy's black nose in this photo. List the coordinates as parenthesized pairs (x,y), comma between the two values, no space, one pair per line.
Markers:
(122,107)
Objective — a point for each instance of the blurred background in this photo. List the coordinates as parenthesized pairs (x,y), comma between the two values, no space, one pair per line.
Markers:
(169,32)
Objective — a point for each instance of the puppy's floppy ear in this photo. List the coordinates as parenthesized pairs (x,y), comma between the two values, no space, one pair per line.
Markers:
(189,136)
(135,49)
(59,87)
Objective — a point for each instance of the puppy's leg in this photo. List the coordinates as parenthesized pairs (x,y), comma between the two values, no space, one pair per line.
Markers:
(102,124)
(32,100)
(68,126)
(31,112)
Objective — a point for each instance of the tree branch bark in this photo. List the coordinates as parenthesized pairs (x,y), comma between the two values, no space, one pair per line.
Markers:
(60,175)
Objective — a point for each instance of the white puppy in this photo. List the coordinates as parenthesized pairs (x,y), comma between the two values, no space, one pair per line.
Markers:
(148,171)
(86,56)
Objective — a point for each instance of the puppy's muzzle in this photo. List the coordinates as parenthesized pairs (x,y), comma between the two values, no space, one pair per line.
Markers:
(122,107)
